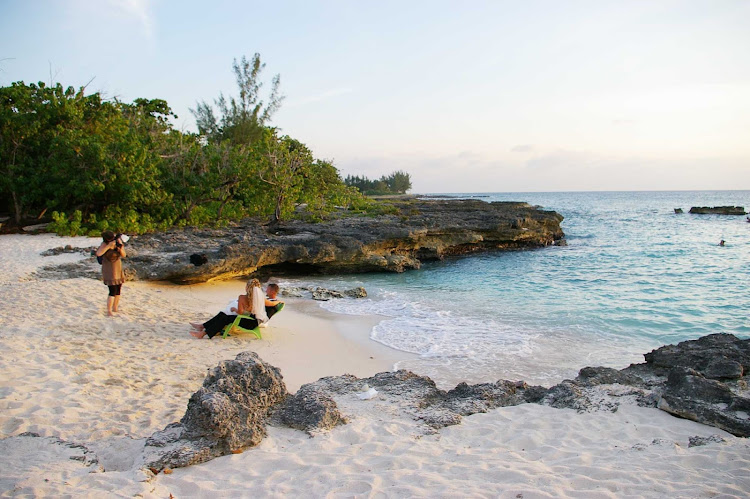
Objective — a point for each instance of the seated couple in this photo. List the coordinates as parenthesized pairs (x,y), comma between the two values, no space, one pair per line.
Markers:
(254,303)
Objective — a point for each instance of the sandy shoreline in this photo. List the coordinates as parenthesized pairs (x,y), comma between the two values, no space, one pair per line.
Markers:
(69,372)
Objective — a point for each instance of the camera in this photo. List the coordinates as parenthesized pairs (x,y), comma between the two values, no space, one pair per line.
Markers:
(121,239)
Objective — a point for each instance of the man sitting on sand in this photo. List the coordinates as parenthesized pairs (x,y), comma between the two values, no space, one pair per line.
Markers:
(247,304)
(272,302)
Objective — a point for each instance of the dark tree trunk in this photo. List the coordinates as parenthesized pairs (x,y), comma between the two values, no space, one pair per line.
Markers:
(16,207)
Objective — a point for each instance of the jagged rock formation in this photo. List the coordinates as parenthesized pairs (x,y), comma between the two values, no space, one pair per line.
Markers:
(310,409)
(675,378)
(322,294)
(420,230)
(718,210)
(231,410)
(226,415)
(415,394)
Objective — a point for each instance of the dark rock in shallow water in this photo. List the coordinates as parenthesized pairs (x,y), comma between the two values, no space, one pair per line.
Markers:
(358,292)
(322,294)
(226,415)
(718,210)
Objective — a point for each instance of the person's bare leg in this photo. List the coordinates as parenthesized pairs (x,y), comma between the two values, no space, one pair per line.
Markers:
(116,303)
(110,302)
(197,326)
(198,334)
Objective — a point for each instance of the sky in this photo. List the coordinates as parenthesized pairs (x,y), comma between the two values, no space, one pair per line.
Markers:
(466,96)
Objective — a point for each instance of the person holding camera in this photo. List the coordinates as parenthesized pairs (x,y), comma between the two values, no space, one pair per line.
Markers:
(111,252)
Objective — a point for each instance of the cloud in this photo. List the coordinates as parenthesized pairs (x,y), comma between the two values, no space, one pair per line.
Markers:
(524,148)
(140,10)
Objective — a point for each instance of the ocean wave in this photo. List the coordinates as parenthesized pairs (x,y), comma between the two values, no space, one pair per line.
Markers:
(414,324)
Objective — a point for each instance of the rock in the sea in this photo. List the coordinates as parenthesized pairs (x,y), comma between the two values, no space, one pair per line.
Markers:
(359,292)
(718,210)
(322,294)
(293,291)
(228,414)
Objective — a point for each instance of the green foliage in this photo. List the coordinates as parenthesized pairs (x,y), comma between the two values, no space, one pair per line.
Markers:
(397,182)
(107,165)
(241,119)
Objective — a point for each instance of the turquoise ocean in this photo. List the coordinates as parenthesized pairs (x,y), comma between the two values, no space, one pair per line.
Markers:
(633,276)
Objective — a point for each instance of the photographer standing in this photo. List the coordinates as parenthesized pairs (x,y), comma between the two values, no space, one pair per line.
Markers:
(111,251)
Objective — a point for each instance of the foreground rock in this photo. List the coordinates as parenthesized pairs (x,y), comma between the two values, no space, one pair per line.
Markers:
(407,392)
(718,210)
(703,380)
(417,231)
(227,415)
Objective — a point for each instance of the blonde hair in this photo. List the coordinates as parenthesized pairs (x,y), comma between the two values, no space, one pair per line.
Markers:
(252,283)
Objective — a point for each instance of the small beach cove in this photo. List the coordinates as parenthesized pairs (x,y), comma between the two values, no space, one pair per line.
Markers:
(69,372)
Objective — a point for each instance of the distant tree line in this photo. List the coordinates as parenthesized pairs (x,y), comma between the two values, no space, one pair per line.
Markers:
(397,182)
(92,164)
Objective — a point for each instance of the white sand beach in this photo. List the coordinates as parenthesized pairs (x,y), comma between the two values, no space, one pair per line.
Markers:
(69,373)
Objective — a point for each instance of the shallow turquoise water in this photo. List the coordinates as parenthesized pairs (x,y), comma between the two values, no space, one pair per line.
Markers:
(634,276)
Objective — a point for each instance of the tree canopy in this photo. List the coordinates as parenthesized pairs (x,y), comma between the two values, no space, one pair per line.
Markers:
(242,118)
(397,182)
(94,164)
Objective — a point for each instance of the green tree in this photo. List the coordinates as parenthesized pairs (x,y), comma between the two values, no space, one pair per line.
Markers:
(284,164)
(65,150)
(241,119)
(398,181)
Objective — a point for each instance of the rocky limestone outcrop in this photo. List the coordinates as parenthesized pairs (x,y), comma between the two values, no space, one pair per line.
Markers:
(715,356)
(310,409)
(322,294)
(674,379)
(704,380)
(690,395)
(420,230)
(227,415)
(240,397)
(407,392)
